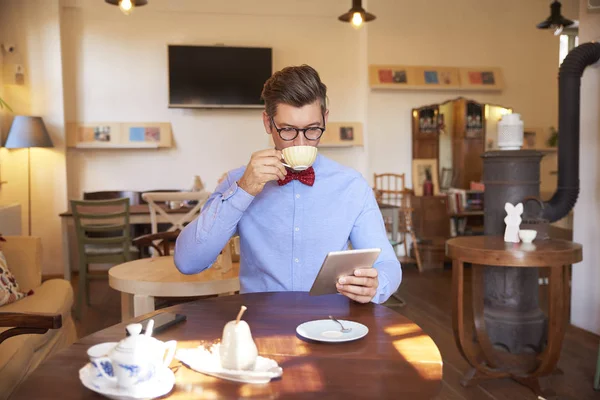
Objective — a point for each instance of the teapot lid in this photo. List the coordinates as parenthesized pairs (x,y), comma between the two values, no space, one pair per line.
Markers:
(135,340)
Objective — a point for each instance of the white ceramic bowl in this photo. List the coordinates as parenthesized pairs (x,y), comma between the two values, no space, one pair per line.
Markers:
(300,157)
(527,235)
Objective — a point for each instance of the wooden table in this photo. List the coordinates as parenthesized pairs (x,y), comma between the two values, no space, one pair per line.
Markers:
(140,281)
(138,214)
(492,250)
(396,360)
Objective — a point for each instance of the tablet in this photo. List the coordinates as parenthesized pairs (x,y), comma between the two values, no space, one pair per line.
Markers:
(341,263)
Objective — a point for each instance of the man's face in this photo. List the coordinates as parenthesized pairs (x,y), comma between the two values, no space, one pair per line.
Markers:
(295,117)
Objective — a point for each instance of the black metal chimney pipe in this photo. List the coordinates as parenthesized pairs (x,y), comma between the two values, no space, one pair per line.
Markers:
(569,84)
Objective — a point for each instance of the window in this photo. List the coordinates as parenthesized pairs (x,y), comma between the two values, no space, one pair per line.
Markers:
(567,43)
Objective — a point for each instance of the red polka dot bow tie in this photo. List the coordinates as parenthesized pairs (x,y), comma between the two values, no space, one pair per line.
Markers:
(307,177)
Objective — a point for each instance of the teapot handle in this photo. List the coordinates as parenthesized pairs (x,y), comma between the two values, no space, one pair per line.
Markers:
(102,360)
(171,346)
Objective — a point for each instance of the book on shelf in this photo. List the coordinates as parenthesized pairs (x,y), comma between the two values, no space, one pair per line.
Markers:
(463,201)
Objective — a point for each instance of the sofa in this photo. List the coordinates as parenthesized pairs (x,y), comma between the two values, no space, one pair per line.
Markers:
(47,310)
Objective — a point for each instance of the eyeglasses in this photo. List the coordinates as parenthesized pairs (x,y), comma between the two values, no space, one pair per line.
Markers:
(288,133)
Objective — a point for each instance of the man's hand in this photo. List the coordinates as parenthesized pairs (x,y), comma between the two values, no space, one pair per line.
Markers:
(264,166)
(361,287)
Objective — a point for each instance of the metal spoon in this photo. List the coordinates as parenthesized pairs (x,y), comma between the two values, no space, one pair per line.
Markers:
(344,330)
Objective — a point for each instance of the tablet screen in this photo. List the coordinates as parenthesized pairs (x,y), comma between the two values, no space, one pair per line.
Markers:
(341,263)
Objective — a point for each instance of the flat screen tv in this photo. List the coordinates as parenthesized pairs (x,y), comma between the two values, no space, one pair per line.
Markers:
(217,76)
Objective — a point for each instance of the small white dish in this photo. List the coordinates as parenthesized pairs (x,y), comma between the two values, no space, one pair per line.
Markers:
(161,385)
(326,330)
(208,362)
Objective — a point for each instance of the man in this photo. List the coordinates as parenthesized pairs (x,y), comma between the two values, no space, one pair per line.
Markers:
(288,221)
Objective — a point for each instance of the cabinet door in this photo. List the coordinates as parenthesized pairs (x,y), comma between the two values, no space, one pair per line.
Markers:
(425,148)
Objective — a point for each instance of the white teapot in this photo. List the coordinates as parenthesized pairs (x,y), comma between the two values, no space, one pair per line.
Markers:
(138,358)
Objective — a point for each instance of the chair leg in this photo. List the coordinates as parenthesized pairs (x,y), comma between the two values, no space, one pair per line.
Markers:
(81,291)
(597,377)
(416,246)
(87,290)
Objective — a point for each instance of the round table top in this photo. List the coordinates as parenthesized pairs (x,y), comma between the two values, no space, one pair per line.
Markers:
(493,250)
(396,359)
(159,277)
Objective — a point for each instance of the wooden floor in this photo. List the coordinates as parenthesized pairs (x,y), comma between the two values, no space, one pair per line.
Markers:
(427,298)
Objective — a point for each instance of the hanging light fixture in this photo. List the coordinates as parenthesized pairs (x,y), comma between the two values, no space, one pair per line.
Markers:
(555,21)
(356,15)
(127,6)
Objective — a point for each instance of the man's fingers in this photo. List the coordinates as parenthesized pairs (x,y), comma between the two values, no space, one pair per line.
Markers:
(358,281)
(271,170)
(357,290)
(268,153)
(355,297)
(276,162)
(372,272)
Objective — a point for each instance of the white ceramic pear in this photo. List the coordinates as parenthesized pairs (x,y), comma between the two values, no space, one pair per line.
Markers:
(238,350)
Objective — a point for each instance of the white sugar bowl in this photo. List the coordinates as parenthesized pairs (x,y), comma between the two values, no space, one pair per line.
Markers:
(138,358)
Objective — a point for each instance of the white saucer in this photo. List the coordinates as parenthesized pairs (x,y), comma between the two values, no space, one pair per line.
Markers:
(208,362)
(159,386)
(326,330)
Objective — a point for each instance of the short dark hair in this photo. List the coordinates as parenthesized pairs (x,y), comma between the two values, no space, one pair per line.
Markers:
(296,86)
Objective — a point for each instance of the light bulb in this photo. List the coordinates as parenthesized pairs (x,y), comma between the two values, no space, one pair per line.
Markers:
(357,20)
(558,30)
(126,6)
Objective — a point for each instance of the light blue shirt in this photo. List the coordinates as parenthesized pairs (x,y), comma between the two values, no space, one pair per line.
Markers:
(286,231)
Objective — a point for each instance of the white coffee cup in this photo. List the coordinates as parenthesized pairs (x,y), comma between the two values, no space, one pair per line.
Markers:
(300,157)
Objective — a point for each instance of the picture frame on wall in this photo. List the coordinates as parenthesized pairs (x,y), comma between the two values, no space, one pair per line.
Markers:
(421,170)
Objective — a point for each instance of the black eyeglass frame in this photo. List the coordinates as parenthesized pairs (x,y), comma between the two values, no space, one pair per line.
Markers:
(298,130)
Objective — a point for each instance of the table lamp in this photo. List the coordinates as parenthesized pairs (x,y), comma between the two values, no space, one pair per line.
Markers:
(27,132)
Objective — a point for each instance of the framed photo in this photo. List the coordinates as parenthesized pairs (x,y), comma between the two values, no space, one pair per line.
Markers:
(423,169)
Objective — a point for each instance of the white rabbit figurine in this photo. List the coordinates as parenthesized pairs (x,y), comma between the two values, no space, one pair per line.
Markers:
(512,221)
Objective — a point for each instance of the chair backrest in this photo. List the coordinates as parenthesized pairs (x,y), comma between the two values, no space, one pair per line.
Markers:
(141,199)
(179,219)
(390,189)
(107,218)
(134,197)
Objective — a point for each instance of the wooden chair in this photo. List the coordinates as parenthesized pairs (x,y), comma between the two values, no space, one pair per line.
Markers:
(174,221)
(389,188)
(109,219)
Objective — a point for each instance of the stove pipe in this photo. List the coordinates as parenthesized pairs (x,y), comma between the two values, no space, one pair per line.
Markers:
(569,84)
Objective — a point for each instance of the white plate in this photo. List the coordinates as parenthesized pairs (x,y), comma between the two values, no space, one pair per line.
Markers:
(208,362)
(161,385)
(326,330)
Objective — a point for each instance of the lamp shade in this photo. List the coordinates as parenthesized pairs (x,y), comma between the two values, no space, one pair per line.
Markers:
(27,132)
(556,19)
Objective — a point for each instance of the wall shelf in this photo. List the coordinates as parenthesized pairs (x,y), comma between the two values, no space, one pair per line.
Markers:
(116,146)
(119,135)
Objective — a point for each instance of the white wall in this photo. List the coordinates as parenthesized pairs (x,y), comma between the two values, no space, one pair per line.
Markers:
(460,33)
(33,26)
(116,70)
(585,305)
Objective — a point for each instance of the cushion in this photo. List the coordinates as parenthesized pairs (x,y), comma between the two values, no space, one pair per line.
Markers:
(9,288)
(54,296)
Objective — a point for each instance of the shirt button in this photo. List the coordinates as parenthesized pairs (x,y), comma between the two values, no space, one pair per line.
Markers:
(296,229)
(297,260)
(297,196)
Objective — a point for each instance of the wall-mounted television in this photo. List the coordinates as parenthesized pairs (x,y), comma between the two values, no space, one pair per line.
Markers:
(217,76)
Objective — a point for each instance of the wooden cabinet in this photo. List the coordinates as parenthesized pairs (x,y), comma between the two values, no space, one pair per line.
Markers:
(454,133)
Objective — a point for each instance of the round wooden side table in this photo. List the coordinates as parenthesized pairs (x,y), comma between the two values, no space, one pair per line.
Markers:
(483,251)
(140,281)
